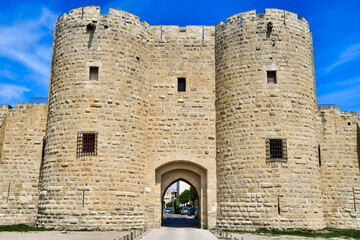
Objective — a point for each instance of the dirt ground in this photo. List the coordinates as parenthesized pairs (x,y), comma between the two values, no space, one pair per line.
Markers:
(247,236)
(57,235)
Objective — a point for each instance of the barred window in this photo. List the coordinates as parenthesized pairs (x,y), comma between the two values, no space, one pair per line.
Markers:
(86,144)
(276,150)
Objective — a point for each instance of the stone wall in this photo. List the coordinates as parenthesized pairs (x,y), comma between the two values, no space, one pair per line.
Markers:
(213,135)
(4,109)
(252,192)
(103,191)
(339,142)
(21,150)
(181,125)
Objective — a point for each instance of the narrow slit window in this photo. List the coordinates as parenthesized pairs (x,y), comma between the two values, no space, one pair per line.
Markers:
(94,74)
(278,206)
(87,144)
(319,155)
(271,77)
(181,84)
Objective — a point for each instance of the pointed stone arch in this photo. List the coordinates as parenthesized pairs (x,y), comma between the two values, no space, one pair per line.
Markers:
(190,172)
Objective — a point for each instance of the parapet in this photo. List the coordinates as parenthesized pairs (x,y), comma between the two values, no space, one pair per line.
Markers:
(197,31)
(94,13)
(252,19)
(335,110)
(22,105)
(5,107)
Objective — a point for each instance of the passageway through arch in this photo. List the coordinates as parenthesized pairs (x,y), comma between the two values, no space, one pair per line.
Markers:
(180,205)
(193,174)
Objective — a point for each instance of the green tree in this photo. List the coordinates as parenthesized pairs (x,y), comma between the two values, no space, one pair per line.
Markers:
(176,205)
(169,204)
(193,195)
(184,197)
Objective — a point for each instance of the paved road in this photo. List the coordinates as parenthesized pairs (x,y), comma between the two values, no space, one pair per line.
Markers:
(180,221)
(178,227)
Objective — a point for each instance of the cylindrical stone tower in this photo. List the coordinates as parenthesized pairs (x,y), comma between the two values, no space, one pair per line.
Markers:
(267,164)
(93,168)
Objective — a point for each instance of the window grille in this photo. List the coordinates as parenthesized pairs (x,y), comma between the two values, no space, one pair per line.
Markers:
(181,84)
(86,144)
(276,150)
(271,77)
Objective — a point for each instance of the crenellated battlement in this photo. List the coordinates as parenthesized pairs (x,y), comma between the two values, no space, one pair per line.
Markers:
(276,16)
(133,107)
(196,31)
(93,13)
(335,110)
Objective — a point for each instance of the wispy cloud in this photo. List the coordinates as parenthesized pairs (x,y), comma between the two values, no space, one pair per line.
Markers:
(351,53)
(10,93)
(130,5)
(8,74)
(344,94)
(342,83)
(23,42)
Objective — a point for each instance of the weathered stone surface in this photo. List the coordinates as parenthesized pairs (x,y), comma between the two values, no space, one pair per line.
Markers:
(213,135)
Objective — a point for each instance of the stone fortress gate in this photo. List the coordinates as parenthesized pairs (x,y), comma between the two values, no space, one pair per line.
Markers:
(231,109)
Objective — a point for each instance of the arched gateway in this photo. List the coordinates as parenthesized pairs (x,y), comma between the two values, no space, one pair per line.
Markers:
(133,107)
(188,171)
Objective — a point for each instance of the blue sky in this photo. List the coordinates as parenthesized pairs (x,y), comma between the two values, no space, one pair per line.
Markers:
(25,39)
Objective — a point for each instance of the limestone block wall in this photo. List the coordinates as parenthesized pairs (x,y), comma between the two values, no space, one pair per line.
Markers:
(4,109)
(339,144)
(251,192)
(181,125)
(21,139)
(103,191)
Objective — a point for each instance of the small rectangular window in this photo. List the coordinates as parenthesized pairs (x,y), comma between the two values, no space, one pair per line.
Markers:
(94,73)
(87,144)
(271,77)
(181,84)
(276,150)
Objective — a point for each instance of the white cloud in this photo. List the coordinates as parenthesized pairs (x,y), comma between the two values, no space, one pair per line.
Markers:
(128,5)
(351,53)
(23,42)
(8,74)
(344,98)
(10,93)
